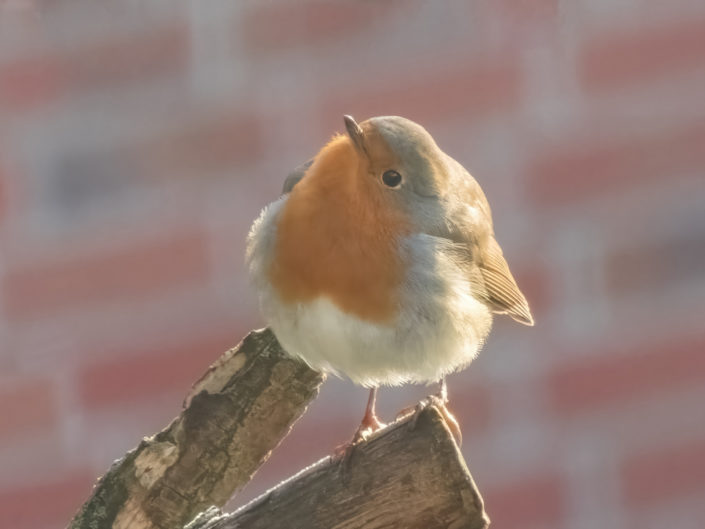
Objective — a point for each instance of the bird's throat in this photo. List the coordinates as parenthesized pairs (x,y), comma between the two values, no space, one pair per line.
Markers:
(338,236)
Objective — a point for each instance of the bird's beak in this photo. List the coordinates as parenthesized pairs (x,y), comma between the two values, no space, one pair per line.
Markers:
(355,133)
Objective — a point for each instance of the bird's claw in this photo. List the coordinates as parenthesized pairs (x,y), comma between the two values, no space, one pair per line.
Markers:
(439,402)
(369,425)
(343,454)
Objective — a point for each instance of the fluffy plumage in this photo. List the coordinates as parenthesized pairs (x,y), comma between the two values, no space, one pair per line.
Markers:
(382,285)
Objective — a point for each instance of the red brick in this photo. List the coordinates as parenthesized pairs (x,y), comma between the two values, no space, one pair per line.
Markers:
(676,471)
(583,168)
(135,376)
(535,501)
(599,382)
(30,82)
(471,406)
(27,406)
(657,263)
(523,11)
(158,52)
(146,268)
(476,90)
(201,145)
(49,504)
(630,57)
(272,27)
(3,190)
(34,81)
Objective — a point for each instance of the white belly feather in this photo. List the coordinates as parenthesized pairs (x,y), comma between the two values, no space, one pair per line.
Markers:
(439,328)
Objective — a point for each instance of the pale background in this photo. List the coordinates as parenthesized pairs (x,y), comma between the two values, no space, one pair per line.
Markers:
(139,139)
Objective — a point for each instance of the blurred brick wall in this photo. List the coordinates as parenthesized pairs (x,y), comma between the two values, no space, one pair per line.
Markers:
(138,140)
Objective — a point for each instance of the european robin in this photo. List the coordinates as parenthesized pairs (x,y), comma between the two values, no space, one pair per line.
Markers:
(380,263)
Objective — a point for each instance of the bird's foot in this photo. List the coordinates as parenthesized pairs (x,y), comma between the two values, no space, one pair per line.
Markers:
(344,452)
(452,423)
(439,401)
(369,425)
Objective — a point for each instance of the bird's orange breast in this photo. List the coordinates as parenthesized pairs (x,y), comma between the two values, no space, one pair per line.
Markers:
(337,237)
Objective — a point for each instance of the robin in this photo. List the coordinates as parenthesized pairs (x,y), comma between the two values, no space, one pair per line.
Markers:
(380,263)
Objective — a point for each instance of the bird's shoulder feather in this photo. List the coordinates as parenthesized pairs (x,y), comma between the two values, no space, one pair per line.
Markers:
(471,227)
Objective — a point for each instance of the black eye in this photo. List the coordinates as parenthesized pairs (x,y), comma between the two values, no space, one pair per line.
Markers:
(391,178)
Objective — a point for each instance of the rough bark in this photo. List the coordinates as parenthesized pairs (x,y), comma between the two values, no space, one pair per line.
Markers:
(235,415)
(411,475)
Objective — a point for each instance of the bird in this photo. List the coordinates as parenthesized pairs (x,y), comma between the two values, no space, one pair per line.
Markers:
(379,262)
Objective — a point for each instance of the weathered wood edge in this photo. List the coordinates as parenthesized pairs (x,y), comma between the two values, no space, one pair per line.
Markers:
(410,474)
(235,415)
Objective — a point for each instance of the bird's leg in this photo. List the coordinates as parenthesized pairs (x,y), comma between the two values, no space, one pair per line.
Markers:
(439,400)
(370,422)
(443,391)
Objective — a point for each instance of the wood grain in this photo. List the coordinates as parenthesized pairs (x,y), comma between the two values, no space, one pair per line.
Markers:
(235,415)
(410,474)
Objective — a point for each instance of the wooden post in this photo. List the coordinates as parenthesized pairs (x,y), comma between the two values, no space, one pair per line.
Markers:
(410,474)
(235,415)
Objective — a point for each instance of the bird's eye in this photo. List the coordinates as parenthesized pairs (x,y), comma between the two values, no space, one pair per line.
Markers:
(391,178)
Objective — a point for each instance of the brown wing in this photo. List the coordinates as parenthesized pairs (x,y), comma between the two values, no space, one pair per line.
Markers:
(490,273)
(500,289)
